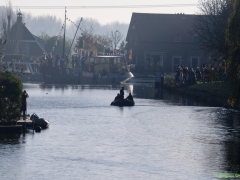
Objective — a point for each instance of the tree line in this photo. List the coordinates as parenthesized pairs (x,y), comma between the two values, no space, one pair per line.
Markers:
(217,29)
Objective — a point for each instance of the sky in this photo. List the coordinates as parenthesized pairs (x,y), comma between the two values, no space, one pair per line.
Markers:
(113,10)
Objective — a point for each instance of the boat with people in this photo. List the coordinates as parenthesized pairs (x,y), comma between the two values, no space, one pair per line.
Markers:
(90,69)
(120,101)
(123,102)
(99,70)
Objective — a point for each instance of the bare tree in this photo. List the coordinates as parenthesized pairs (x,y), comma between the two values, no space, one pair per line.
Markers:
(210,26)
(104,41)
(122,46)
(90,26)
(116,37)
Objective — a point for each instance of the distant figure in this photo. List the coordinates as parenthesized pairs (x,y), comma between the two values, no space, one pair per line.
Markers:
(122,93)
(24,103)
(130,97)
(117,97)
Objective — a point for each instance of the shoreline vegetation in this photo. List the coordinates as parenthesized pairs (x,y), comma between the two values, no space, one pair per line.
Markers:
(212,93)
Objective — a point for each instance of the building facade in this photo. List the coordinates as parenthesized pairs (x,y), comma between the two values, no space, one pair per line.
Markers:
(162,42)
(21,41)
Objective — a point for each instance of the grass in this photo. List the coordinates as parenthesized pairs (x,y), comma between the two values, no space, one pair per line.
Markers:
(221,89)
(214,94)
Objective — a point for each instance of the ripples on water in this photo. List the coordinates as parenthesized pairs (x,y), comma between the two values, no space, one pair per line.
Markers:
(89,139)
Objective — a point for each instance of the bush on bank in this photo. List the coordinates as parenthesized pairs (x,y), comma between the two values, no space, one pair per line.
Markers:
(213,93)
(10,96)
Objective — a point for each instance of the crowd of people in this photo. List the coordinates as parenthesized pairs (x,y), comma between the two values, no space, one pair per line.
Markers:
(204,74)
(57,65)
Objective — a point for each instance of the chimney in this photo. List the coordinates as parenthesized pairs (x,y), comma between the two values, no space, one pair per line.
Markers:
(19,17)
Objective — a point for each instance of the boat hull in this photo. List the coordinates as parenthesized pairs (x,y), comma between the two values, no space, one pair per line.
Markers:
(123,102)
(83,79)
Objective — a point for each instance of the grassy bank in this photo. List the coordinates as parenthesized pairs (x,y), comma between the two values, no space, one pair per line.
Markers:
(213,94)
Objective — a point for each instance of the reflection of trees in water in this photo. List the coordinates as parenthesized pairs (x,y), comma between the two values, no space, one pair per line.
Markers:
(143,92)
(9,138)
(230,120)
(181,100)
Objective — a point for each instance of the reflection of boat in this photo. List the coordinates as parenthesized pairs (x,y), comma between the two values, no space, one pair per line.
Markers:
(123,102)
(103,70)
(26,71)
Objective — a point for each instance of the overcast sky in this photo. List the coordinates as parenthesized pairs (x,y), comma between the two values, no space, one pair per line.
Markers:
(103,15)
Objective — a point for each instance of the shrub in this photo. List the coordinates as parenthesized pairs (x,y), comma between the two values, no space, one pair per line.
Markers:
(169,80)
(10,96)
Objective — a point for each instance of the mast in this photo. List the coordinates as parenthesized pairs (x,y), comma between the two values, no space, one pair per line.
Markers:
(75,36)
(64,33)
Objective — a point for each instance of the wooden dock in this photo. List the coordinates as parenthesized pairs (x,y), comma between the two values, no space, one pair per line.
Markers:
(28,123)
(18,128)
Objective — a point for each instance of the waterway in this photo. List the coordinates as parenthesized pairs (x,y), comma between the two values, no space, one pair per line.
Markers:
(164,138)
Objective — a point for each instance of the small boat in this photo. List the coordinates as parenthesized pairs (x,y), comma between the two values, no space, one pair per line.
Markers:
(33,121)
(123,102)
(43,123)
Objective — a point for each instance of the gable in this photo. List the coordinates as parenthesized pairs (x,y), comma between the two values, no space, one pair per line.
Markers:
(20,32)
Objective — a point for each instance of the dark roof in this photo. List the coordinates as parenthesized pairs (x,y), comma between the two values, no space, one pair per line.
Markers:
(20,32)
(160,27)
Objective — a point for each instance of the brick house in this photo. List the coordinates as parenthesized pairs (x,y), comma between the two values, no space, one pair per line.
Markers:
(162,42)
(22,41)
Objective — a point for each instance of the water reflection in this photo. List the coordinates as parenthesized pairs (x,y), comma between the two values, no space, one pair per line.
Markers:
(230,121)
(227,120)
(157,138)
(9,138)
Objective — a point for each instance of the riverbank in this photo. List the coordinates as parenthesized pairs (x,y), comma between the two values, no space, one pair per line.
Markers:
(214,94)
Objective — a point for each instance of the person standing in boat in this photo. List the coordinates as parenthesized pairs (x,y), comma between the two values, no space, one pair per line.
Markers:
(122,93)
(24,103)
(130,97)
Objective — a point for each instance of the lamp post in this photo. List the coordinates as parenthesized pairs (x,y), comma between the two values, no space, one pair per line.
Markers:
(115,39)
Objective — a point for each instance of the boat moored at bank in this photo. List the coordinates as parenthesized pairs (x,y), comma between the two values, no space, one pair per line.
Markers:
(99,70)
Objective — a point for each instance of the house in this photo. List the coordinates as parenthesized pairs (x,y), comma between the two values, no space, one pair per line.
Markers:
(162,42)
(21,41)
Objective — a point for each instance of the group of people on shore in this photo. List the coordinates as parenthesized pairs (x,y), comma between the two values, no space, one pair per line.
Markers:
(204,74)
(57,65)
(121,95)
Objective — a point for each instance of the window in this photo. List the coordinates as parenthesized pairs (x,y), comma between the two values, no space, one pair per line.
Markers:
(176,61)
(153,60)
(177,38)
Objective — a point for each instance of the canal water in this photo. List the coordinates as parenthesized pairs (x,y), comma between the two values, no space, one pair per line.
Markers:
(164,138)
